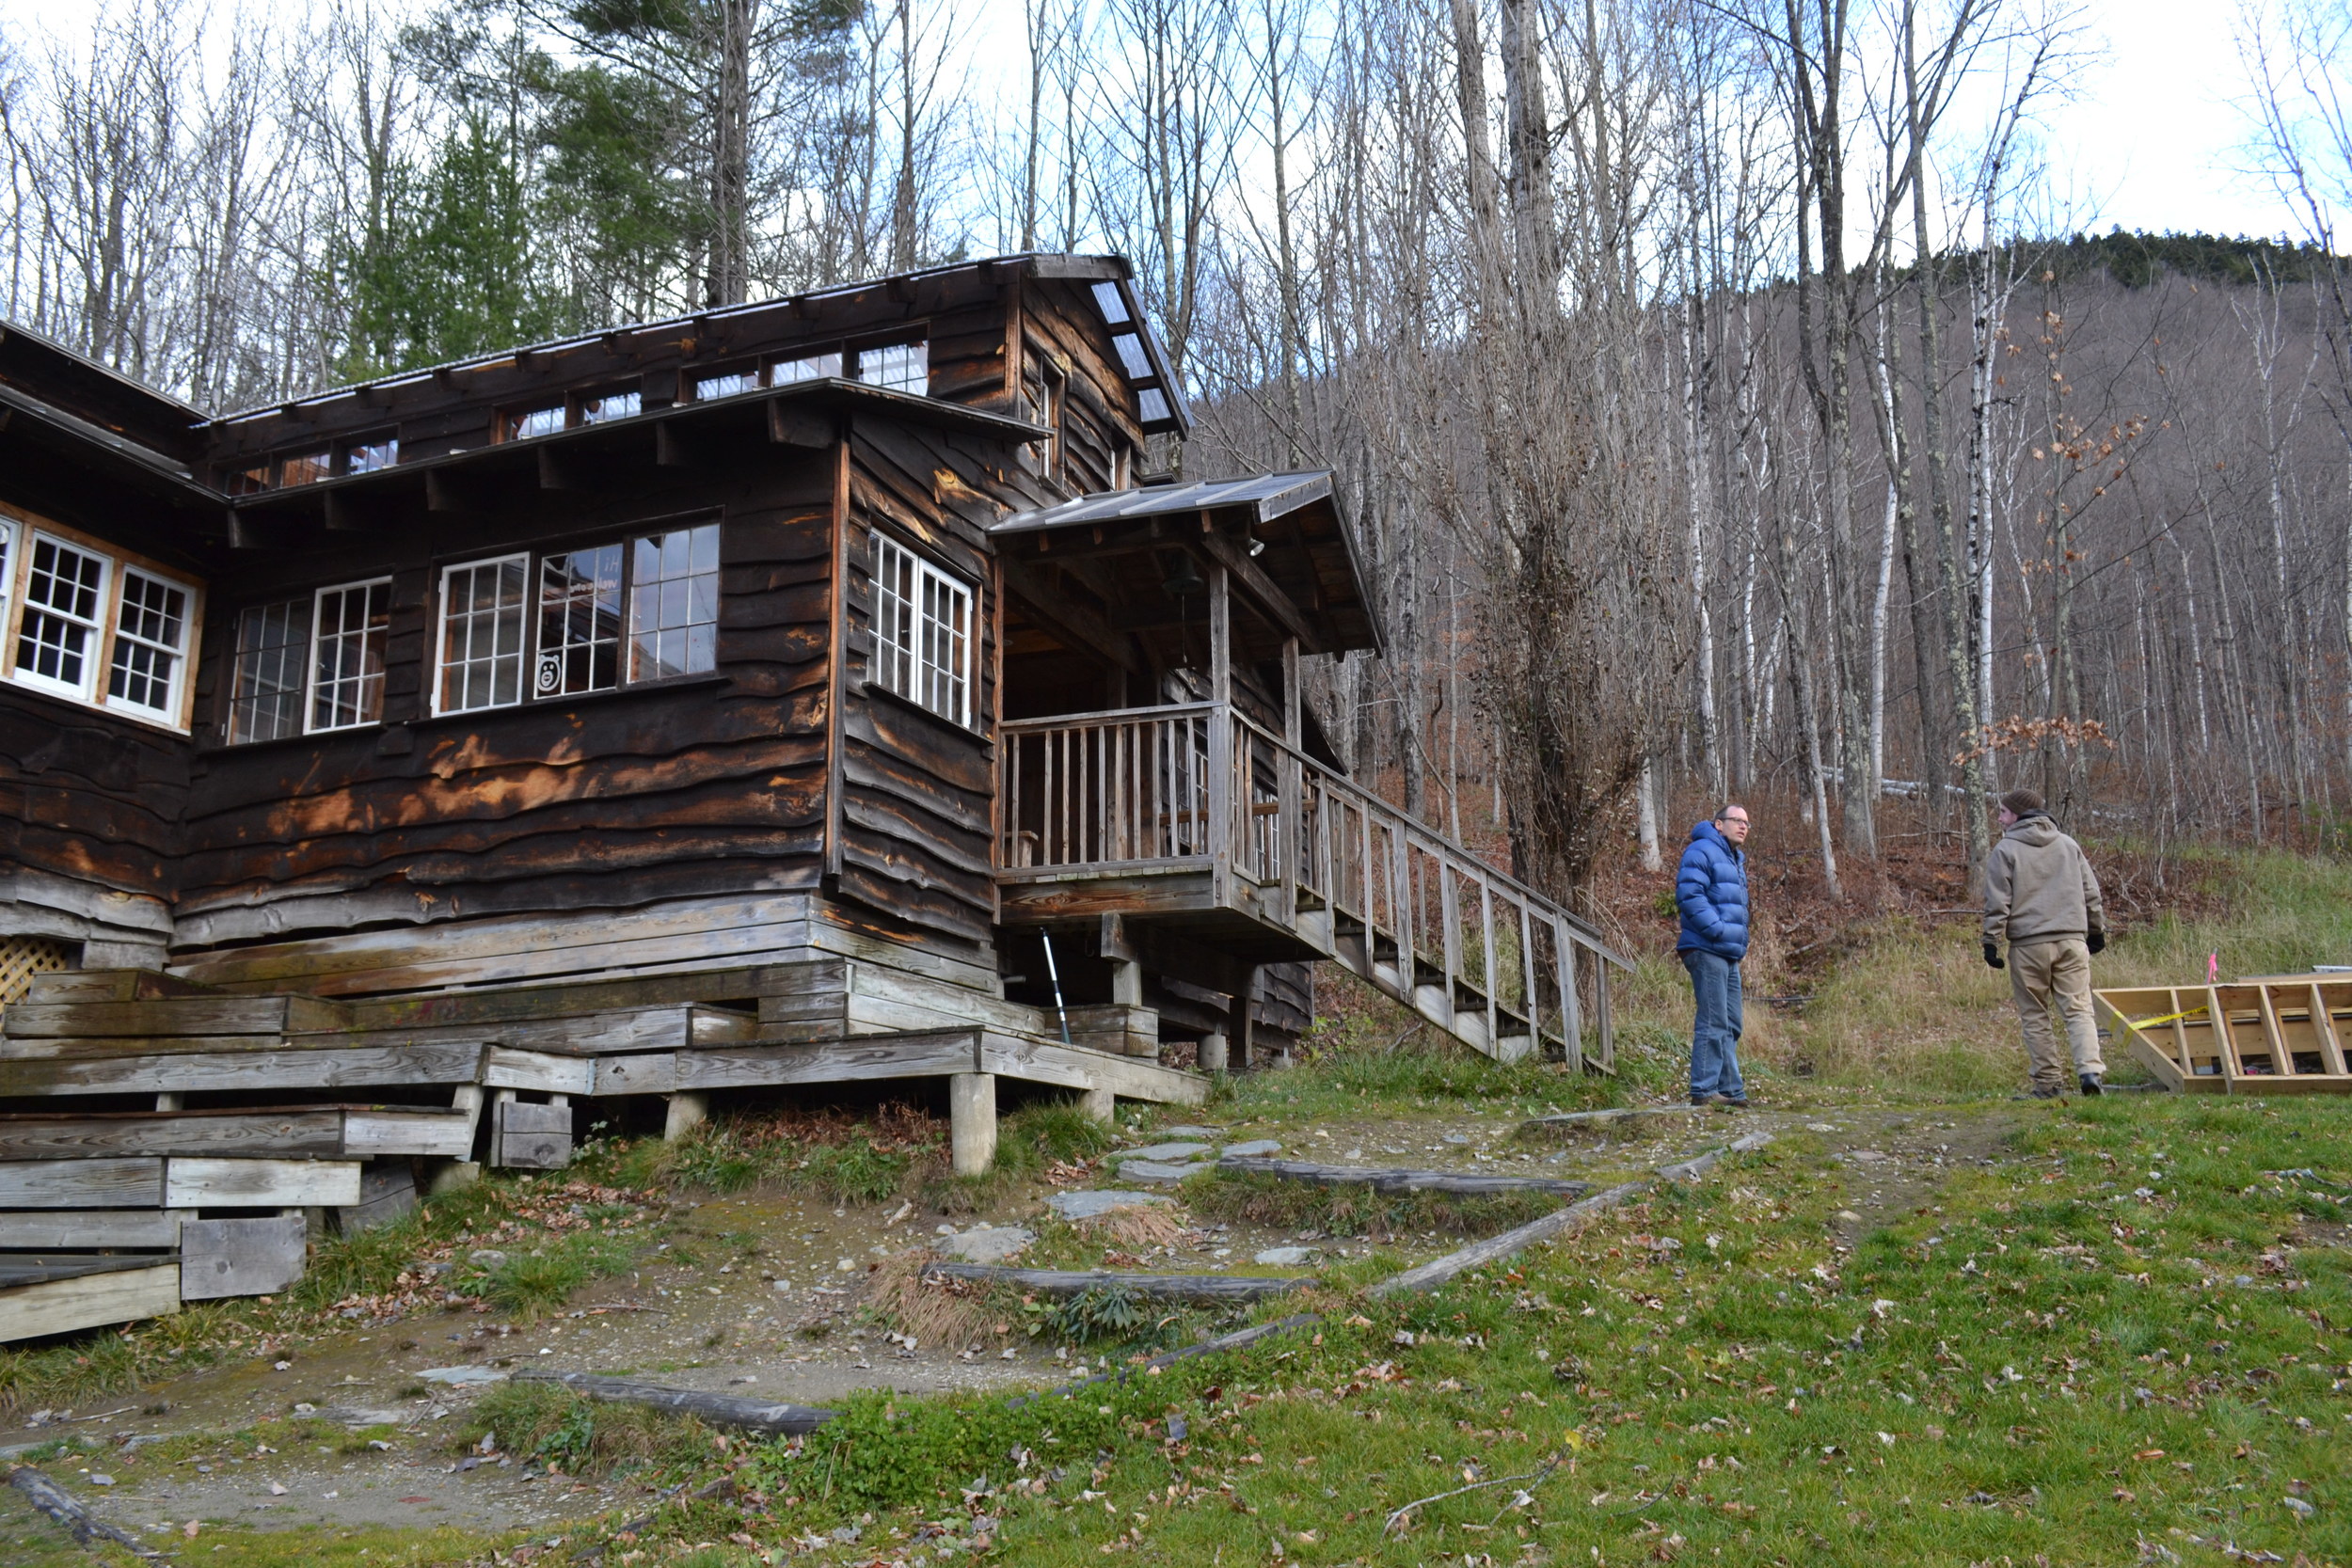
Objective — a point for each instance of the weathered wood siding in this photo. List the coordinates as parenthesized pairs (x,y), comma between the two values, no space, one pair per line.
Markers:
(711,785)
(917,791)
(1061,325)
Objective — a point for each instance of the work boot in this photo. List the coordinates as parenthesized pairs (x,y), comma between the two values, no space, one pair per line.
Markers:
(2038,1092)
(2090,1083)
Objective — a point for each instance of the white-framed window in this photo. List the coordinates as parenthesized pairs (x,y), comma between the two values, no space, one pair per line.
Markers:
(643,609)
(673,603)
(311,664)
(150,647)
(923,631)
(580,623)
(351,627)
(901,367)
(484,620)
(61,625)
(82,621)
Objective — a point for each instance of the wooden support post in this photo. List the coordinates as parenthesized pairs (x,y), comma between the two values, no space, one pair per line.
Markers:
(687,1112)
(1213,1052)
(1240,1022)
(1126,983)
(1224,798)
(972,1122)
(170,1100)
(1100,1105)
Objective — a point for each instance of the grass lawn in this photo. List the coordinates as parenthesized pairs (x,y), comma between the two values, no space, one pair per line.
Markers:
(1928,1325)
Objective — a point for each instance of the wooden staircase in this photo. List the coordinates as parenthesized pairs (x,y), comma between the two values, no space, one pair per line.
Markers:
(1115,812)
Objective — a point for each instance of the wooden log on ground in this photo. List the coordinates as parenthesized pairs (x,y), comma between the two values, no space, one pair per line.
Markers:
(60,1505)
(764,1417)
(1382,1179)
(1164,1287)
(1573,1121)
(1565,1221)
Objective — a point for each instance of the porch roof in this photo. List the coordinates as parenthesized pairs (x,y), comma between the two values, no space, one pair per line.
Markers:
(1280,536)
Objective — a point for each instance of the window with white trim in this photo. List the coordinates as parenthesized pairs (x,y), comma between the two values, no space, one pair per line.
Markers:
(922,632)
(151,649)
(312,664)
(645,608)
(673,603)
(61,625)
(350,626)
(81,622)
(483,627)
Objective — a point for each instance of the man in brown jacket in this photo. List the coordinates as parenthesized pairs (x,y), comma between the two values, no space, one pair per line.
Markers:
(2041,897)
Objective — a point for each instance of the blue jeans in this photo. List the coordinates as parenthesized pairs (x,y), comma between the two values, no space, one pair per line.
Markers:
(1715,1032)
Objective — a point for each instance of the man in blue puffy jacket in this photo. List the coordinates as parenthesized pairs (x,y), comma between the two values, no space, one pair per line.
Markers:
(1711,889)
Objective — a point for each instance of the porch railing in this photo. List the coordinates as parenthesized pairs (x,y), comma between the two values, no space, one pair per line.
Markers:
(1393,900)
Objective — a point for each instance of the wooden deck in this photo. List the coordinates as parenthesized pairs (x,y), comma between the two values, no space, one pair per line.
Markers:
(1193,819)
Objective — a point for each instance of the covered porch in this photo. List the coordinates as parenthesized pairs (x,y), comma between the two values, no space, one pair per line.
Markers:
(1213,832)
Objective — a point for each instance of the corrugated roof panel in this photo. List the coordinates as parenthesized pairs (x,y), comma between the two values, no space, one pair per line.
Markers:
(1269,495)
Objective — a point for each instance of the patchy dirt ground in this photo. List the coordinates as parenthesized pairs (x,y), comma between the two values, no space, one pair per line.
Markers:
(757,1294)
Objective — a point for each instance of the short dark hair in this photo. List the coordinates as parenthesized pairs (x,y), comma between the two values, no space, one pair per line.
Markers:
(1722,812)
(2021,803)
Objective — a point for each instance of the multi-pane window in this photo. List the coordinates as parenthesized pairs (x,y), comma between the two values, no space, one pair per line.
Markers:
(482,622)
(673,603)
(609,405)
(579,622)
(528,422)
(350,629)
(367,457)
(265,695)
(80,623)
(306,467)
(642,609)
(151,649)
(901,367)
(726,383)
(922,629)
(321,655)
(807,367)
(57,634)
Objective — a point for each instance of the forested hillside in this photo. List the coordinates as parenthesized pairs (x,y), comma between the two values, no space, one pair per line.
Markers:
(1679,465)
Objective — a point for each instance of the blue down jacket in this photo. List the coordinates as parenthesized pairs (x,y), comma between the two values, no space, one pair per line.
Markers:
(1711,889)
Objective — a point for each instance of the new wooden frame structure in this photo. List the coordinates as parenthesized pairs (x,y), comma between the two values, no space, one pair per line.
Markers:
(2276,1034)
(805,692)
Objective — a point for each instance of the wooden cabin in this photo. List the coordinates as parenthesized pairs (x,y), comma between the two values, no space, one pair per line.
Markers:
(796,694)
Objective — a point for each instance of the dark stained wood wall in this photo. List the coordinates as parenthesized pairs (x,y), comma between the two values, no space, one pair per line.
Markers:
(1061,324)
(711,785)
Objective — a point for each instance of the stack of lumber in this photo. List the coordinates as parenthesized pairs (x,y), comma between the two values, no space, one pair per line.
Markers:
(2273,1034)
(105,1216)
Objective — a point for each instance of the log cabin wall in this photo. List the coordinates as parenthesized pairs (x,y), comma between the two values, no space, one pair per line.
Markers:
(90,799)
(1068,368)
(708,786)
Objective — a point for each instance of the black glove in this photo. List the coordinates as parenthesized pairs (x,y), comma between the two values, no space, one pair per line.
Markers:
(1993,955)
(2096,941)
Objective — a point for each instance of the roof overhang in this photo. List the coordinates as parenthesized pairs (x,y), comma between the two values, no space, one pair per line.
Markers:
(1280,537)
(807,413)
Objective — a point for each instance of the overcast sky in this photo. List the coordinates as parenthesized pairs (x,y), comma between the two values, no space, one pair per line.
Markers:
(2153,140)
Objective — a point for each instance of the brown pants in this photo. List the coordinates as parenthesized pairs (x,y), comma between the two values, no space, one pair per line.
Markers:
(2044,974)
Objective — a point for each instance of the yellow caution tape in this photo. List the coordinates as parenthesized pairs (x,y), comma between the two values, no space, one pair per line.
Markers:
(2151,1022)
